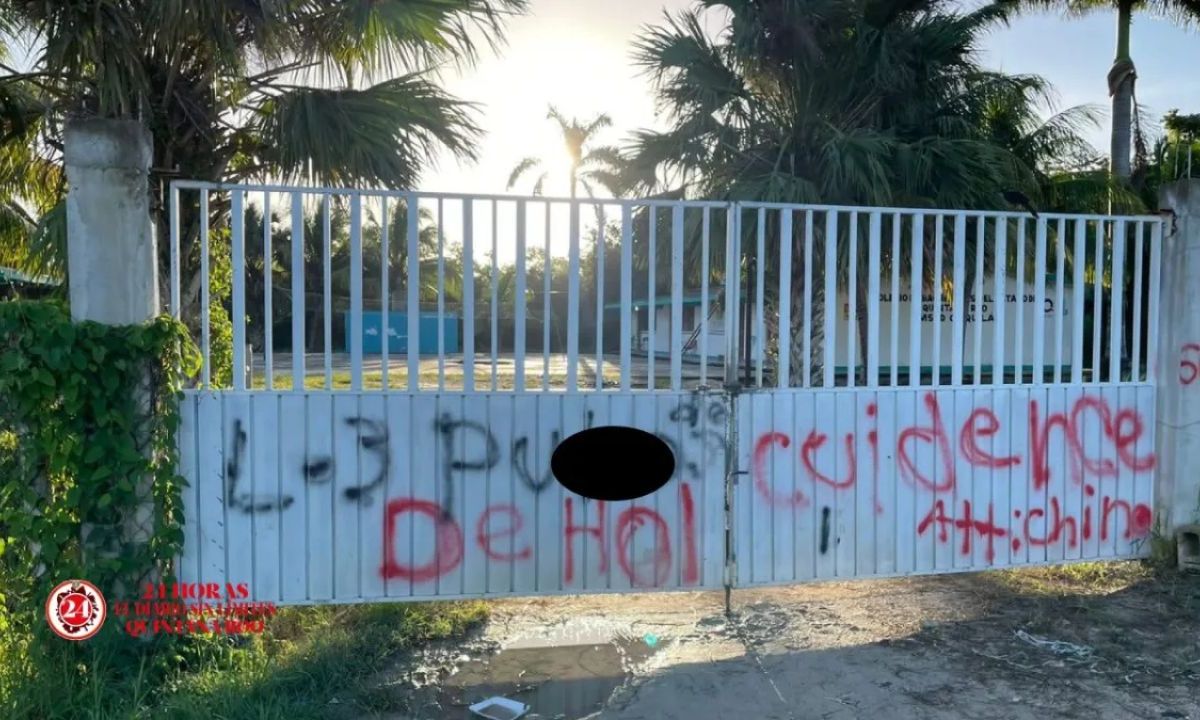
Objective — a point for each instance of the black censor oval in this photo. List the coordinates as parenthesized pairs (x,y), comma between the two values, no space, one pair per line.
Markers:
(613,463)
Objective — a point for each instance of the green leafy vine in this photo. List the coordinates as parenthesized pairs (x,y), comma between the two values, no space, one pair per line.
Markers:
(88,480)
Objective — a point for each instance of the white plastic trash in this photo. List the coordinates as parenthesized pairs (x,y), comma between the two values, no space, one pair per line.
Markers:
(499,708)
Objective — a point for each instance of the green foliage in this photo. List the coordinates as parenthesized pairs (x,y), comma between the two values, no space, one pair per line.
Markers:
(337,92)
(872,102)
(306,658)
(591,165)
(1182,127)
(88,415)
(309,656)
(220,325)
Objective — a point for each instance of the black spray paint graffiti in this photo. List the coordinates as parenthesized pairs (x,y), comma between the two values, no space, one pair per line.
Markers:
(688,414)
(456,435)
(450,462)
(535,481)
(689,411)
(520,464)
(233,470)
(824,530)
(372,436)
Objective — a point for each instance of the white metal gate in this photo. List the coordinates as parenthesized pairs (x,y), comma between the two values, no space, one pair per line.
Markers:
(316,497)
(978,393)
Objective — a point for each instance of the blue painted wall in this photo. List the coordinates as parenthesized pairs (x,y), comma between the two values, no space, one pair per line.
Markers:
(398,333)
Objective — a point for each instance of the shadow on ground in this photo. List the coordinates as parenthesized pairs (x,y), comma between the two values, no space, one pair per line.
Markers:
(1053,643)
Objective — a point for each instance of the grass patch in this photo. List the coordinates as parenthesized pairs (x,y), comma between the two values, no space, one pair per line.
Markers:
(428,380)
(1083,578)
(312,663)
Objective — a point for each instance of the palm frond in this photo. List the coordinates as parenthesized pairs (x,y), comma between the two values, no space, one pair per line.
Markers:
(382,135)
(605,155)
(597,123)
(521,169)
(553,114)
(389,36)
(46,252)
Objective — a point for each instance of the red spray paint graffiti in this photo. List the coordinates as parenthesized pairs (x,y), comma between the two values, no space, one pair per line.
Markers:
(972,431)
(1053,526)
(597,532)
(485,535)
(660,553)
(976,443)
(691,567)
(969,524)
(1036,526)
(501,535)
(1123,430)
(935,434)
(447,548)
(1137,518)
(1189,369)
(762,449)
(652,566)
(808,455)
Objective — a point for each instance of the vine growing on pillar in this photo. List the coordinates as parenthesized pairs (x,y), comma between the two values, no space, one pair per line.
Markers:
(88,481)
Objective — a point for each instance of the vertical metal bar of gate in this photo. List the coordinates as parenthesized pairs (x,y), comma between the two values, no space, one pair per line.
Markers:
(960,305)
(785,298)
(626,297)
(176,310)
(384,293)
(356,293)
(237,220)
(204,291)
(413,306)
(733,254)
(298,304)
(676,297)
(519,302)
(705,229)
(468,285)
(831,272)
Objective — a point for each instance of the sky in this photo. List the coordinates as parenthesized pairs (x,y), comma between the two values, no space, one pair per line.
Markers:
(576,54)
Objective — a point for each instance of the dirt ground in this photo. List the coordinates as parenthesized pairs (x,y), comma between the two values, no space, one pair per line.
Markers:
(1092,641)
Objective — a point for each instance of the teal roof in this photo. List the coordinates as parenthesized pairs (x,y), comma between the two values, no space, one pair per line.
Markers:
(12,275)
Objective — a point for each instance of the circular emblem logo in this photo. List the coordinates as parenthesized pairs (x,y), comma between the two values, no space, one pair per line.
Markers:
(75,610)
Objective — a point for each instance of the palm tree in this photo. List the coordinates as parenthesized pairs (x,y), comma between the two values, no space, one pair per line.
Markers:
(590,166)
(336,92)
(1122,76)
(30,185)
(339,246)
(1181,140)
(863,102)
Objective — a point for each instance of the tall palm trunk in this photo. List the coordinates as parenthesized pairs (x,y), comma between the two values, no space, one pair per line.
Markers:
(816,346)
(861,299)
(772,318)
(1121,77)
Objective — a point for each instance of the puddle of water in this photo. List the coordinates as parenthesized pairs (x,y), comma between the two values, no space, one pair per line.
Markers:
(569,681)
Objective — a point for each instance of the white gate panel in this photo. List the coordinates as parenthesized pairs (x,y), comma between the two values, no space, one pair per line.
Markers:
(320,497)
(874,482)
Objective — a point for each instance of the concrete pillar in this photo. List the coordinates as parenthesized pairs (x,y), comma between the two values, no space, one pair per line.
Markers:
(1177,493)
(111,249)
(112,264)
